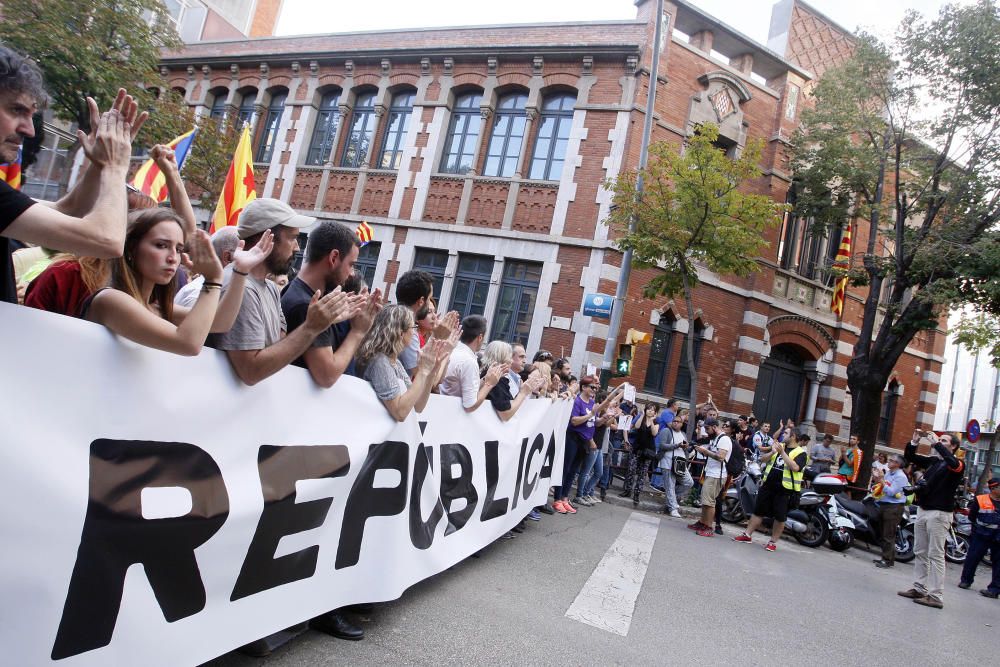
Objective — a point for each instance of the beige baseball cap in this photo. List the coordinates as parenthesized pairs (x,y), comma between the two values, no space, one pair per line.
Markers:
(265,213)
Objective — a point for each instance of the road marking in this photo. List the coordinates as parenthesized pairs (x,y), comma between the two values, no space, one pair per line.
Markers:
(607,600)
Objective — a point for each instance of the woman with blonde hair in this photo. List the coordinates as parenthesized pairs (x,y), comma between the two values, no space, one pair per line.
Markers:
(139,304)
(499,353)
(378,355)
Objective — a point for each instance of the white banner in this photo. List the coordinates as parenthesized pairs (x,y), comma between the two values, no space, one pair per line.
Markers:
(155,511)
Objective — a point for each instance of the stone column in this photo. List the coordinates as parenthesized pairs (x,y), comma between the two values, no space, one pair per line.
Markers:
(816,378)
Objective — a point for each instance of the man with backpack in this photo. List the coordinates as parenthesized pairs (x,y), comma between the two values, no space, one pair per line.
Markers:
(782,482)
(717,453)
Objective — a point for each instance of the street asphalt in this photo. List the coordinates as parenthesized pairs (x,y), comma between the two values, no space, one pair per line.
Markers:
(702,600)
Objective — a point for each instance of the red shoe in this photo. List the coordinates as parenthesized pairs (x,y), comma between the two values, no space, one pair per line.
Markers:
(771,546)
(696,526)
(558,506)
(706,532)
(743,537)
(569,508)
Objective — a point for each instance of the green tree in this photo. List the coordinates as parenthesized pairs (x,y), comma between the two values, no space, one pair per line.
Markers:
(691,211)
(207,164)
(89,47)
(904,137)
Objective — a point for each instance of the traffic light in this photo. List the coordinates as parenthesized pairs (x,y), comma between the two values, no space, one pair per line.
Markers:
(623,365)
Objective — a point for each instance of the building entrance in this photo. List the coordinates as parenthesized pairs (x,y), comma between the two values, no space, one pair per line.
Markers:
(779,386)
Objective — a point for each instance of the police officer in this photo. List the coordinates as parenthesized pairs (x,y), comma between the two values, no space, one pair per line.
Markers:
(984,513)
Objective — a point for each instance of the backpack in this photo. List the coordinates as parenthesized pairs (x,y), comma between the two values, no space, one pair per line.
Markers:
(737,462)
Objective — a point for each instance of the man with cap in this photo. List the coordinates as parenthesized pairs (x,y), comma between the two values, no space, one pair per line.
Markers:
(984,513)
(891,505)
(256,344)
(782,479)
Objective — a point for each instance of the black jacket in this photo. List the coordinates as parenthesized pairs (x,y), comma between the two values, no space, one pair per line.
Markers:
(936,491)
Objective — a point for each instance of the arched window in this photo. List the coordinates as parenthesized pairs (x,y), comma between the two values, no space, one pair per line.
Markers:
(218,111)
(325,129)
(269,130)
(508,133)
(553,136)
(399,119)
(463,135)
(888,414)
(245,112)
(362,128)
(682,387)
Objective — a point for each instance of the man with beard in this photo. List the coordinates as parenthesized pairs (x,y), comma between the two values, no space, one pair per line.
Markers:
(256,344)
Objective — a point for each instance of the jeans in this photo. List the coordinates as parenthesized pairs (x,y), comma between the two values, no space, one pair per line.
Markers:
(978,546)
(612,459)
(597,474)
(930,534)
(582,484)
(571,462)
(672,483)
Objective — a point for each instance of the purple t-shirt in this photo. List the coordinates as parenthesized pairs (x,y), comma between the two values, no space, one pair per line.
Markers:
(587,428)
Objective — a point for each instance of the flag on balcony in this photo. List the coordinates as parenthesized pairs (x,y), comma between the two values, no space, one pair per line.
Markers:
(365,233)
(239,188)
(11,173)
(150,180)
(843,263)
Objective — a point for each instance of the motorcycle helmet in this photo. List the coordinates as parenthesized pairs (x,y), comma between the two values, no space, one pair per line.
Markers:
(840,539)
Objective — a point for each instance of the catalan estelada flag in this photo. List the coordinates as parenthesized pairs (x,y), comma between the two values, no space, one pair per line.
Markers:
(150,180)
(11,173)
(842,262)
(365,233)
(239,188)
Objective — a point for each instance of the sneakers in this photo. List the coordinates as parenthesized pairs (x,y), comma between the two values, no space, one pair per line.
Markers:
(625,494)
(771,546)
(743,537)
(987,593)
(675,514)
(705,532)
(912,594)
(929,601)
(718,530)
(583,500)
(882,563)
(558,507)
(569,508)
(696,526)
(508,536)
(534,515)
(545,509)
(964,585)
(595,499)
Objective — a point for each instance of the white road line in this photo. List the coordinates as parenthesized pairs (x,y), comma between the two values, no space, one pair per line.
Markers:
(607,600)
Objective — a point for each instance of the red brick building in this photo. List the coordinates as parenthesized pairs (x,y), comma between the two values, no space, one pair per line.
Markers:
(478,154)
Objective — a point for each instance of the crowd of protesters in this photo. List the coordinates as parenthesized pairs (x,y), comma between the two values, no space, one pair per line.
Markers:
(149,274)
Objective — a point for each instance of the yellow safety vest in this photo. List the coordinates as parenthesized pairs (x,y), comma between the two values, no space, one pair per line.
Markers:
(789,480)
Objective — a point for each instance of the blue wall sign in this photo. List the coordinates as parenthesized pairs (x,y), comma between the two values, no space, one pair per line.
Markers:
(598,305)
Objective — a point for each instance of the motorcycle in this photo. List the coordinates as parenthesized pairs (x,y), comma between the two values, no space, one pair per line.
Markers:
(865,525)
(956,545)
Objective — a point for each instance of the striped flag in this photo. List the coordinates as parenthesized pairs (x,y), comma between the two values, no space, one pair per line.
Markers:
(365,233)
(11,173)
(239,188)
(842,262)
(150,180)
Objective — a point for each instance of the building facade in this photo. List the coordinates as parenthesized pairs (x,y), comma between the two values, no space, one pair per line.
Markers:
(478,154)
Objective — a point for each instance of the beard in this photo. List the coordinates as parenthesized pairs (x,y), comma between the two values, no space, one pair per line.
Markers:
(422,313)
(276,265)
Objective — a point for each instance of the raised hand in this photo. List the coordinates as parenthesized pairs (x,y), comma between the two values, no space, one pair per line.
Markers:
(111,130)
(202,258)
(362,320)
(446,325)
(431,355)
(164,157)
(533,384)
(247,260)
(494,374)
(324,310)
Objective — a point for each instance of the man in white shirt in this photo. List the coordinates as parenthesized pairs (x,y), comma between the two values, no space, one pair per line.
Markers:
(462,377)
(717,453)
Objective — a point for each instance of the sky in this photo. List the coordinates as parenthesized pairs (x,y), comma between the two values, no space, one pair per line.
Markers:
(750,17)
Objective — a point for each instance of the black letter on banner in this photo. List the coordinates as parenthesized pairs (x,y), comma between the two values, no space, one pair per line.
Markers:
(550,457)
(492,508)
(536,446)
(279,469)
(453,488)
(520,464)
(366,501)
(115,536)
(422,532)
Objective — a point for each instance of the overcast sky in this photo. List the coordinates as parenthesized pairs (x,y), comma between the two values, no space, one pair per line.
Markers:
(751,17)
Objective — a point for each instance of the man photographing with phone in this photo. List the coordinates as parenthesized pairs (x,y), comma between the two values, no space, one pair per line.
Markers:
(782,480)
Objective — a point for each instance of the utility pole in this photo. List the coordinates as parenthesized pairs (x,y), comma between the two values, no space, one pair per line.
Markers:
(617,308)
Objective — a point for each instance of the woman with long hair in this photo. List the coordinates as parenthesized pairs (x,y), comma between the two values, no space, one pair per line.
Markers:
(643,451)
(139,305)
(427,323)
(378,355)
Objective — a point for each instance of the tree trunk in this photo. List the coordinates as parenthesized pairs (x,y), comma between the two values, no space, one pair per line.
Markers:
(988,466)
(689,349)
(866,409)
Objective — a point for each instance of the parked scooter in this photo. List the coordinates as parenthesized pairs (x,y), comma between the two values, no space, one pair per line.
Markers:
(866,526)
